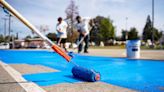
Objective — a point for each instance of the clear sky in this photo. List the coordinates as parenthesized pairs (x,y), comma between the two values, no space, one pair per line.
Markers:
(46,12)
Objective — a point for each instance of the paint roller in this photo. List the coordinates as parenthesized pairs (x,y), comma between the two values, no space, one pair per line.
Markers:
(85,74)
(79,72)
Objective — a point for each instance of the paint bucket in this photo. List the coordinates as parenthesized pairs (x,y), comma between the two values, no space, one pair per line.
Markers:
(133,49)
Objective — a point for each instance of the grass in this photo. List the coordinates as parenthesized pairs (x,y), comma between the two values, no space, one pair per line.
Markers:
(155,48)
(108,47)
(124,47)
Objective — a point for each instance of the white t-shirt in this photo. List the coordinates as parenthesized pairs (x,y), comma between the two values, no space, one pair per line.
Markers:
(63,28)
(83,26)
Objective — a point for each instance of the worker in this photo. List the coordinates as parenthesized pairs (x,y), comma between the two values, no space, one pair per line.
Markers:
(83,27)
(61,29)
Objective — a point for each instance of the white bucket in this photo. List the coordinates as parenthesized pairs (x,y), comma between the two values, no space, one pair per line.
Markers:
(133,49)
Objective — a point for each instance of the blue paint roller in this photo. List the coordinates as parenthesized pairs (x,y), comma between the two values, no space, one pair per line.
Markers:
(85,74)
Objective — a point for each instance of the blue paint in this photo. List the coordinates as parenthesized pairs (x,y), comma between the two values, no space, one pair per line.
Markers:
(45,79)
(142,75)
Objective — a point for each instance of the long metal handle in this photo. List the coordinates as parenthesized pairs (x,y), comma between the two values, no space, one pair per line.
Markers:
(79,43)
(34,29)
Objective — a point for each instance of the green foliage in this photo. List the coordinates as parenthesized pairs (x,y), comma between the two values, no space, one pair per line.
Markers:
(95,31)
(6,39)
(124,34)
(28,37)
(133,34)
(157,34)
(52,36)
(105,29)
(148,31)
(72,10)
(2,38)
(71,13)
(36,37)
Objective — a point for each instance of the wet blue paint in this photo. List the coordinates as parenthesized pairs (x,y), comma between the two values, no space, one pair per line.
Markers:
(142,75)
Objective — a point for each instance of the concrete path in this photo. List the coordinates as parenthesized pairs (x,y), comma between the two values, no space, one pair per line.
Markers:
(145,54)
(11,76)
(7,83)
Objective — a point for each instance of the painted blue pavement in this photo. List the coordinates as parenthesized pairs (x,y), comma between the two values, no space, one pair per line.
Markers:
(142,75)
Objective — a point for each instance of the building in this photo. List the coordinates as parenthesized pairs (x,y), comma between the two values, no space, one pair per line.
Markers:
(30,43)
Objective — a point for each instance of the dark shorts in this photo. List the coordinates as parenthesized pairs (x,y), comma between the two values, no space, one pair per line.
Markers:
(62,40)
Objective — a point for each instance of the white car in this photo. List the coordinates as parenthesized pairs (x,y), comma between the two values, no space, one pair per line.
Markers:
(4,45)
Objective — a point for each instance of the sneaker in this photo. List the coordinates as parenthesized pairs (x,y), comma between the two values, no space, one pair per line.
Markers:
(86,52)
(79,52)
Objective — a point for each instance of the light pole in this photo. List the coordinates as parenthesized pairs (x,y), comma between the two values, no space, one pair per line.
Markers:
(153,22)
(126,19)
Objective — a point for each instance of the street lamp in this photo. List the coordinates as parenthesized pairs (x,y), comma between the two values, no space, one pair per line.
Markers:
(153,22)
(126,29)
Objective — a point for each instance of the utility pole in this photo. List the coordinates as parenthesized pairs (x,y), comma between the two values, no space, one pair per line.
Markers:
(5,21)
(9,22)
(17,35)
(9,28)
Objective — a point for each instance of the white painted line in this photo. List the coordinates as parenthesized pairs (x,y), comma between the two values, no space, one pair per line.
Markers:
(28,86)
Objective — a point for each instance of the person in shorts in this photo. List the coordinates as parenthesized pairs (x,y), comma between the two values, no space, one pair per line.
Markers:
(61,29)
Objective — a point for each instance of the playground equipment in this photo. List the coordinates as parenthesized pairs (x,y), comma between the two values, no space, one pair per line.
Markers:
(77,71)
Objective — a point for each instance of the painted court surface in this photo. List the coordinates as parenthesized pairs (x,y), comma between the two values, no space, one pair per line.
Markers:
(141,75)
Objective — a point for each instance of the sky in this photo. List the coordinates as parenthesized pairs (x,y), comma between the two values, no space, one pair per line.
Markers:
(46,12)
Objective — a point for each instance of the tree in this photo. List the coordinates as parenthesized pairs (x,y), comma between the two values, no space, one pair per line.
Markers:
(71,13)
(52,36)
(28,37)
(44,28)
(94,33)
(107,30)
(147,34)
(148,31)
(2,38)
(73,38)
(124,35)
(133,34)
(103,29)
(157,34)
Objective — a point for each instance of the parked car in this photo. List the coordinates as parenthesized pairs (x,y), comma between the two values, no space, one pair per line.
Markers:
(4,45)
